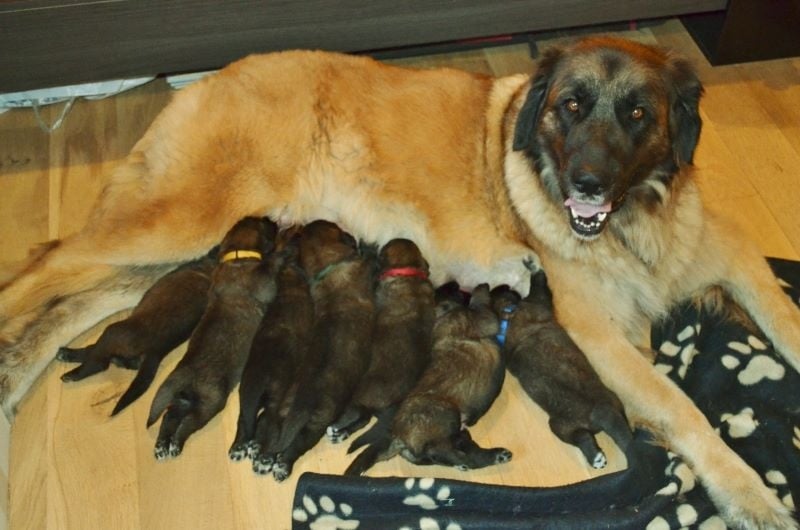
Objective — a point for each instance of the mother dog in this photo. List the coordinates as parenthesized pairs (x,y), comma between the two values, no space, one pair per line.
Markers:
(587,164)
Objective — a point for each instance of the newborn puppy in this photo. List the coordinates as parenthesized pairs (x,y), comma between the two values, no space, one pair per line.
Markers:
(457,388)
(275,364)
(341,287)
(401,344)
(242,284)
(555,373)
(160,322)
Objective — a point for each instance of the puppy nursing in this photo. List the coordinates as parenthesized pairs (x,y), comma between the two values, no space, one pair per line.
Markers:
(276,363)
(429,426)
(242,285)
(341,288)
(555,373)
(401,344)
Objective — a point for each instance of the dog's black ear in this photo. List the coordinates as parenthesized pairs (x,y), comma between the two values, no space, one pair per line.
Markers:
(684,117)
(528,117)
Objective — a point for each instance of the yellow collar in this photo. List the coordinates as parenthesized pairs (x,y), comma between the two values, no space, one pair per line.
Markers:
(239,254)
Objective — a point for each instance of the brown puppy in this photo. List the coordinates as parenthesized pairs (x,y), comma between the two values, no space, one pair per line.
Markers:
(276,364)
(341,287)
(160,322)
(457,388)
(401,344)
(242,284)
(587,163)
(554,372)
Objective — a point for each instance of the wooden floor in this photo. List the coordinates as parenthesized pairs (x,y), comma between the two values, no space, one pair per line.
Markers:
(74,467)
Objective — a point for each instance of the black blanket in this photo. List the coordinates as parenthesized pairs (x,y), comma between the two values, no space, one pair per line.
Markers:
(747,392)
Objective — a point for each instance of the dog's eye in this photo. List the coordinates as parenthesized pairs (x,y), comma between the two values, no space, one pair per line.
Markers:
(572,105)
(637,113)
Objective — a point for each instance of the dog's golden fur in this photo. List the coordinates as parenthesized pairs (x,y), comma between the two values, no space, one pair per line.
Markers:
(427,155)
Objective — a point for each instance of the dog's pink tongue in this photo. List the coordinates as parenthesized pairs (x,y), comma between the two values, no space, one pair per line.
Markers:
(587,210)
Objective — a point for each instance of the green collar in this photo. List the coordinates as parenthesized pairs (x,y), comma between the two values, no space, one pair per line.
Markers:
(328,269)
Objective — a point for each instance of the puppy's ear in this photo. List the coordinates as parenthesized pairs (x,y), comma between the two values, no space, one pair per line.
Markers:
(528,117)
(684,116)
(348,240)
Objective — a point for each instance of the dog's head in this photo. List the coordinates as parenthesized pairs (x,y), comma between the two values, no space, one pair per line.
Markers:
(607,121)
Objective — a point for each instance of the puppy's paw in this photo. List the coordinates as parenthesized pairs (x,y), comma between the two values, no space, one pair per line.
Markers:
(335,435)
(599,461)
(502,456)
(71,355)
(281,471)
(238,452)
(253,449)
(161,450)
(263,464)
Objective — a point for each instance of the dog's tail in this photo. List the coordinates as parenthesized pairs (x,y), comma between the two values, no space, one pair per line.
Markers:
(378,440)
(144,377)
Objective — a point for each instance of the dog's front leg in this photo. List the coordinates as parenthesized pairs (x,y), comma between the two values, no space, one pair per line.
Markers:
(653,401)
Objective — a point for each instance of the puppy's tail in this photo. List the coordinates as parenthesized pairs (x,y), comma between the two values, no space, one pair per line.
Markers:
(144,377)
(378,440)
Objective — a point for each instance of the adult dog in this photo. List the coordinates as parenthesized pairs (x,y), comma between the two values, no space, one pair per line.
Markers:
(587,163)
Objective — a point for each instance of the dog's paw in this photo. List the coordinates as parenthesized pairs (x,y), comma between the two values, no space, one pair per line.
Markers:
(253,449)
(238,452)
(165,448)
(503,456)
(281,471)
(599,461)
(71,355)
(263,464)
(335,435)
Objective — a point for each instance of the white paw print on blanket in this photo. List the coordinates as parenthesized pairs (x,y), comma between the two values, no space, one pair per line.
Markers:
(684,352)
(427,523)
(422,494)
(776,480)
(325,515)
(741,424)
(758,367)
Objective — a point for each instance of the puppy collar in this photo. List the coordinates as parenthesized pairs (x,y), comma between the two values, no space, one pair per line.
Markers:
(328,269)
(501,336)
(240,254)
(406,272)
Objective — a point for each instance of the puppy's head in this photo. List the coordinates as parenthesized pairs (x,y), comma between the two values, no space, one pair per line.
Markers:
(323,243)
(607,121)
(401,253)
(504,300)
(449,296)
(250,234)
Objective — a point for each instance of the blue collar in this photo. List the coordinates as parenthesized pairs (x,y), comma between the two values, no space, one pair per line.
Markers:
(501,337)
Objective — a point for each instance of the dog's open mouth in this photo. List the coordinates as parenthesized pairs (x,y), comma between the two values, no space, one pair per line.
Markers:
(587,220)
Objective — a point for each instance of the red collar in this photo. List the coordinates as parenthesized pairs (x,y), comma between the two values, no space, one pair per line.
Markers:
(405,272)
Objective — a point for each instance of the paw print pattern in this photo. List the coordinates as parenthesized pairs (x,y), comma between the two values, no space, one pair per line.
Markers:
(684,513)
(427,523)
(422,493)
(325,514)
(776,480)
(757,366)
(682,353)
(796,439)
(741,424)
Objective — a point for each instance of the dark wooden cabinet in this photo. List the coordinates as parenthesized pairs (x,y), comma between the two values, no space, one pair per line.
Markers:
(59,42)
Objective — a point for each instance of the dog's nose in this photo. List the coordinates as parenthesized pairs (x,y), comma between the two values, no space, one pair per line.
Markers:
(588,184)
